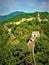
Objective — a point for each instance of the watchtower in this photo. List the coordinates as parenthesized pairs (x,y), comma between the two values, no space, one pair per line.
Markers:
(31,43)
(35,34)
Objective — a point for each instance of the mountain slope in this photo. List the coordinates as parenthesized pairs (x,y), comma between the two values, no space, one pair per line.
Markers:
(42,15)
(6,17)
(14,39)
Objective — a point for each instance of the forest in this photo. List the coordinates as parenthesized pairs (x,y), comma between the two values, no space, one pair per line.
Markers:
(14,51)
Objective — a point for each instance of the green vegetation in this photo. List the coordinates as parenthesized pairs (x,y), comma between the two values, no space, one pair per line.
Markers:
(42,50)
(15,51)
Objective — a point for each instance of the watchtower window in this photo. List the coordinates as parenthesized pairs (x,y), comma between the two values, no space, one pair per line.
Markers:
(34,35)
(31,40)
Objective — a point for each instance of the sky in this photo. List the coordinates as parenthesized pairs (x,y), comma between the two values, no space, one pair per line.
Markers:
(8,6)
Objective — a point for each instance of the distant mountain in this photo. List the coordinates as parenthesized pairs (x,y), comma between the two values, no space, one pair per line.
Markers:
(16,16)
(6,17)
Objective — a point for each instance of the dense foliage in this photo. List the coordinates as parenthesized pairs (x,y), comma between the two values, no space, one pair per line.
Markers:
(15,51)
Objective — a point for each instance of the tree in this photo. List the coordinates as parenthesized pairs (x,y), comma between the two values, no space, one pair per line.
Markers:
(12,54)
(42,50)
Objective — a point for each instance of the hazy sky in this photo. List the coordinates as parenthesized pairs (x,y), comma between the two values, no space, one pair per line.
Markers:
(8,6)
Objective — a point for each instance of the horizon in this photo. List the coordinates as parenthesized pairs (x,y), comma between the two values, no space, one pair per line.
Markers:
(7,7)
(22,11)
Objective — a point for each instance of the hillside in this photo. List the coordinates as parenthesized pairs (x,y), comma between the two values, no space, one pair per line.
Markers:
(27,15)
(6,17)
(17,32)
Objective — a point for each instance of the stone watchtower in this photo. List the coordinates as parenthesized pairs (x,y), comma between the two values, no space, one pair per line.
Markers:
(31,43)
(35,34)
